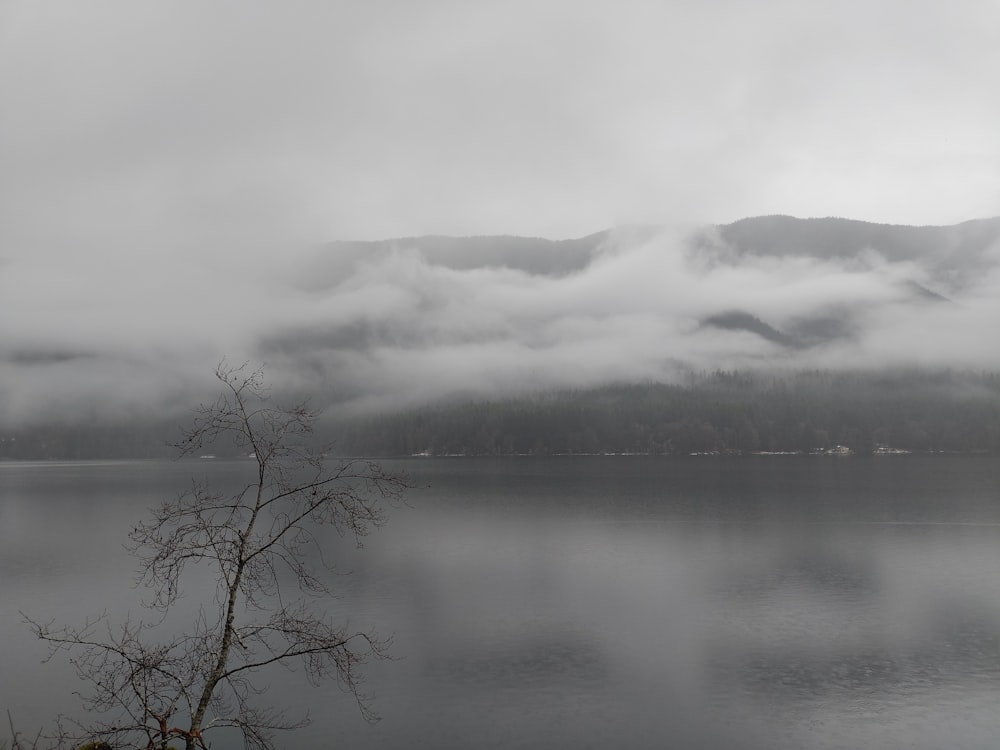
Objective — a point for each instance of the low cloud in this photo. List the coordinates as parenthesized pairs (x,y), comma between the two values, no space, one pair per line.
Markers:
(395,326)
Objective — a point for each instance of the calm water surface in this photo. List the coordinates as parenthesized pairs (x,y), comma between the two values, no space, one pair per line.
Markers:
(619,602)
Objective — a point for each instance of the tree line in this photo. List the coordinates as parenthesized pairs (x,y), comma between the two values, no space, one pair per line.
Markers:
(721,411)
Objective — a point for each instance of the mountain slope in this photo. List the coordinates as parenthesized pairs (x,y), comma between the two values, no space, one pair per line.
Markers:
(952,253)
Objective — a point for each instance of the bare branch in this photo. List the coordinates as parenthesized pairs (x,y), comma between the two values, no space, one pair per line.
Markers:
(255,541)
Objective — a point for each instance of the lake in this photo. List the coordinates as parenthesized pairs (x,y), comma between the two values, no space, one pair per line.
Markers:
(593,602)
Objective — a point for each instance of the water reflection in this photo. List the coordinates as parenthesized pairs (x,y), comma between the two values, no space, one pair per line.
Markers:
(530,657)
(614,603)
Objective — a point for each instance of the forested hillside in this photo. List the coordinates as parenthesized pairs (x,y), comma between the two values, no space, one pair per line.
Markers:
(806,334)
(721,411)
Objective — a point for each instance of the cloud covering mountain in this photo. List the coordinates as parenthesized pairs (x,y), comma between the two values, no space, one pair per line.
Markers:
(158,162)
(376,326)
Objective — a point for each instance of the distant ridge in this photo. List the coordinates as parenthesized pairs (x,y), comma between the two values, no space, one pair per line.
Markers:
(534,255)
(952,254)
(953,246)
(739,320)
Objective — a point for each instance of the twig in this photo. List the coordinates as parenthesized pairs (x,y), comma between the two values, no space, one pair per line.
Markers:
(15,743)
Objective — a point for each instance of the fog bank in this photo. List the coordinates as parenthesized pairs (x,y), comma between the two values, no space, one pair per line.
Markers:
(376,326)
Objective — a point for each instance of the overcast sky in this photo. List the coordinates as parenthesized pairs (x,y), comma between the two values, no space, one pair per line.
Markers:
(163,164)
(206,125)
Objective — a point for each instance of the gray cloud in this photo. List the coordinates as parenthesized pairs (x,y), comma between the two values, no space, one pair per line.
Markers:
(398,325)
(162,169)
(206,128)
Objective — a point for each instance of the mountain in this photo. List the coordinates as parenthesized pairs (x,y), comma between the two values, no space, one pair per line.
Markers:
(952,253)
(736,294)
(369,328)
(885,412)
(888,412)
(738,320)
(533,255)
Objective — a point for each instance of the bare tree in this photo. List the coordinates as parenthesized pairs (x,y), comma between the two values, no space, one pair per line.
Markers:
(261,544)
